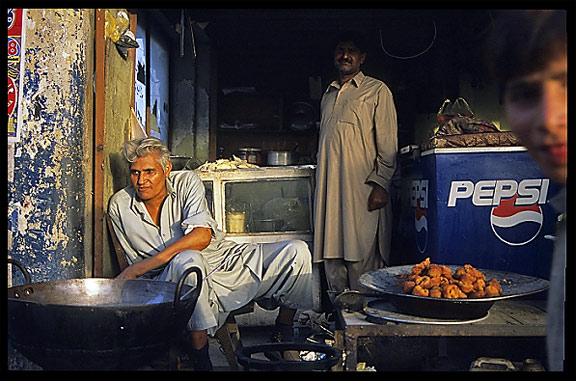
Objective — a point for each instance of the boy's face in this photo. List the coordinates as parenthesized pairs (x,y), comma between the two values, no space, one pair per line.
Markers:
(537,111)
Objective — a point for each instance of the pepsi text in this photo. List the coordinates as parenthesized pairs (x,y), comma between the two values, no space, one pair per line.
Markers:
(491,192)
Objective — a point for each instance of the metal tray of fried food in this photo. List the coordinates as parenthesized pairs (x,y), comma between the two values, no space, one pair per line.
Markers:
(385,281)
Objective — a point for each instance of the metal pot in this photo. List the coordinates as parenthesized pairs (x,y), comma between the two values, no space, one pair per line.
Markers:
(251,155)
(277,158)
(268,225)
(98,323)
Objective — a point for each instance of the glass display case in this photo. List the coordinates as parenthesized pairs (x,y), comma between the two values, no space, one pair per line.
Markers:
(265,204)
(260,205)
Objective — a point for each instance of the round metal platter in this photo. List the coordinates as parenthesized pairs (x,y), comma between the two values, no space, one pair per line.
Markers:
(385,281)
(381,311)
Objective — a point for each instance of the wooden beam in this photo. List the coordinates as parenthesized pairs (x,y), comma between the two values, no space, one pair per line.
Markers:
(99,130)
(132,57)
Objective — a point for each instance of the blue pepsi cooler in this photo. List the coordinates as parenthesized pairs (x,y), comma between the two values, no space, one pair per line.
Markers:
(484,206)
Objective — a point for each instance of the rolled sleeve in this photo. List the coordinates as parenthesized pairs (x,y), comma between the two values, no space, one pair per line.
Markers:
(201,219)
(195,212)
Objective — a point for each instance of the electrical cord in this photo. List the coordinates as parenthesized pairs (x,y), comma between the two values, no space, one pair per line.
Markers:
(409,57)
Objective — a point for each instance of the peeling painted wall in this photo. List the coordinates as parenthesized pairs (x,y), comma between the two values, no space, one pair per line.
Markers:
(190,118)
(49,192)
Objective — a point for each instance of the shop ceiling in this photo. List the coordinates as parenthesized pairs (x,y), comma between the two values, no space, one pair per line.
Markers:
(229,25)
(405,46)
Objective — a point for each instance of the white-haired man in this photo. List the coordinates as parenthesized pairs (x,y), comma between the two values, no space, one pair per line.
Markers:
(164,226)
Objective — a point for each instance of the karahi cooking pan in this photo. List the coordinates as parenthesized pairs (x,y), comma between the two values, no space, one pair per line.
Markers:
(97,323)
(386,282)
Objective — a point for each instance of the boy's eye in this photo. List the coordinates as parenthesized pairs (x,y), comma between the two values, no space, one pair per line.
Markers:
(524,93)
(528,91)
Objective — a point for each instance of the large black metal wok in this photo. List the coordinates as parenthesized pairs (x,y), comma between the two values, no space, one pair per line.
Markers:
(98,323)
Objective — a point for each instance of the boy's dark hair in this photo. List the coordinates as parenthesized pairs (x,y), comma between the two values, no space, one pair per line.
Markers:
(524,41)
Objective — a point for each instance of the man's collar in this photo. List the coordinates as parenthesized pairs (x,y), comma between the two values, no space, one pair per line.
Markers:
(136,204)
(356,81)
(358,78)
(169,188)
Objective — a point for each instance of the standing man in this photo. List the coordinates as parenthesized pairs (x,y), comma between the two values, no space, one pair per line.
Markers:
(356,160)
(528,55)
(163,224)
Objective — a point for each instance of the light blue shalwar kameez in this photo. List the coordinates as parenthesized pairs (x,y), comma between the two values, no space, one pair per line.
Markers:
(279,271)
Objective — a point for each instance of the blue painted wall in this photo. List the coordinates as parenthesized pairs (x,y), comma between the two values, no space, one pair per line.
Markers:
(49,187)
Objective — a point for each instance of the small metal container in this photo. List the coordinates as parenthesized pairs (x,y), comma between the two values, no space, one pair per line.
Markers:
(277,158)
(268,225)
(251,155)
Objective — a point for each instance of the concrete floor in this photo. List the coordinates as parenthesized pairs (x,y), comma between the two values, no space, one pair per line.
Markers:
(248,335)
(453,356)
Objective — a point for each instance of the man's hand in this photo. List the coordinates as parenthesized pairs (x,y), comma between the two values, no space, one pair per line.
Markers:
(130,272)
(198,239)
(378,197)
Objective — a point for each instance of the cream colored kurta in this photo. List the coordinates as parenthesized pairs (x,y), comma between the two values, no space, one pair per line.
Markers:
(357,146)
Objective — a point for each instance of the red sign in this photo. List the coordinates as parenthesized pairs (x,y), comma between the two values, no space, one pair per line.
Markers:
(15,56)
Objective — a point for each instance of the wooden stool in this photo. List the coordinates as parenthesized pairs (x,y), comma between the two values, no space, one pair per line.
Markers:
(228,335)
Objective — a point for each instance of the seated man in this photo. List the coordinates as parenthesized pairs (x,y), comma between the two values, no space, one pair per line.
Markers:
(164,226)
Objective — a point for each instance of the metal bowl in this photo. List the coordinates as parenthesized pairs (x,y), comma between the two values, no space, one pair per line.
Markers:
(268,225)
(301,117)
(385,281)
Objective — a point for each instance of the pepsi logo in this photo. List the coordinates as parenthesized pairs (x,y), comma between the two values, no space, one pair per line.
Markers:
(514,224)
(421,225)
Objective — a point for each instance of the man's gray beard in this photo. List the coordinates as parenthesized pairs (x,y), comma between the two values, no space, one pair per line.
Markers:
(345,71)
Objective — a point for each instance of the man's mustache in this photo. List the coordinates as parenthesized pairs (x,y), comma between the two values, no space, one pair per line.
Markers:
(344,60)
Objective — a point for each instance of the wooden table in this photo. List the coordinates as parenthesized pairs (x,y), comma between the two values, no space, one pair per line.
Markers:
(506,318)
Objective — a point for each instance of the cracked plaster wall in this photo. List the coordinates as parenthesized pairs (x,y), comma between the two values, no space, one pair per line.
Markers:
(49,190)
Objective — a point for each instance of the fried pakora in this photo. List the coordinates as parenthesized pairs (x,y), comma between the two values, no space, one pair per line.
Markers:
(438,281)
(435,292)
(420,291)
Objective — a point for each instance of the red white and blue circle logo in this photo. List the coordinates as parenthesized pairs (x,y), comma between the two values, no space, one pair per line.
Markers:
(421,225)
(516,225)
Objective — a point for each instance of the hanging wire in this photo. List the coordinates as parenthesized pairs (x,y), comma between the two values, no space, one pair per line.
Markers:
(414,56)
(191,24)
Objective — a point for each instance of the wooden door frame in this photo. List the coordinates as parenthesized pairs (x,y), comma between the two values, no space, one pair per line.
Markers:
(102,47)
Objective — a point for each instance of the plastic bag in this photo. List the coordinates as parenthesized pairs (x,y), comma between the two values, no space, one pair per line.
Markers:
(448,110)
(115,26)
(458,118)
